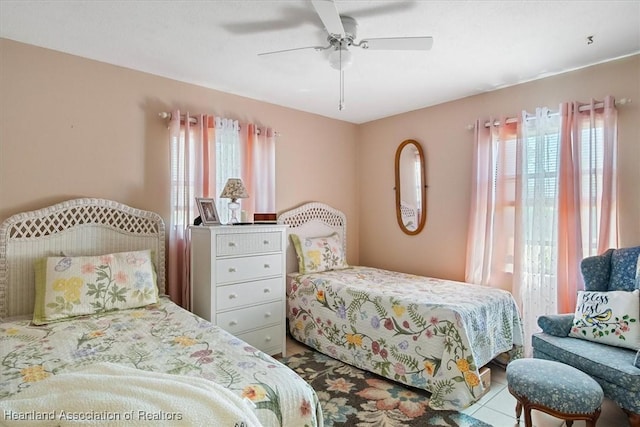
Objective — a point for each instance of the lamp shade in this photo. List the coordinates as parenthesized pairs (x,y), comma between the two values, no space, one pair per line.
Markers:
(234,189)
(340,59)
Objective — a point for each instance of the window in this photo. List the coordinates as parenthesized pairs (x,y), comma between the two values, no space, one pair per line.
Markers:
(543,199)
(184,182)
(540,172)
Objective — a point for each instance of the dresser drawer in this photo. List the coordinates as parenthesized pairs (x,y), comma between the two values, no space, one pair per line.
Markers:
(265,339)
(237,321)
(247,293)
(248,243)
(248,268)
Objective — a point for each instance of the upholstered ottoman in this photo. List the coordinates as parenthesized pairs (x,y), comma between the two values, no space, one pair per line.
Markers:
(555,388)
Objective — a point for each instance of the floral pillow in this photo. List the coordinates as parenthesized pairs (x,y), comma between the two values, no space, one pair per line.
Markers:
(608,317)
(317,254)
(75,286)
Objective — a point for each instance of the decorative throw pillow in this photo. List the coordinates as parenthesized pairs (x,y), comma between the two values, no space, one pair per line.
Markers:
(316,254)
(608,318)
(75,286)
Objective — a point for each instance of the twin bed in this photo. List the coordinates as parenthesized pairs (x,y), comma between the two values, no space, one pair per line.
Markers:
(125,360)
(111,349)
(428,333)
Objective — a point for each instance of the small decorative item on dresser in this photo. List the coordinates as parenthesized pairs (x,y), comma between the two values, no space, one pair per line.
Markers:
(264,218)
(234,189)
(208,211)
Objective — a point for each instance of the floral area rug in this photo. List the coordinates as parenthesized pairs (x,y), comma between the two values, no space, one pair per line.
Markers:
(353,397)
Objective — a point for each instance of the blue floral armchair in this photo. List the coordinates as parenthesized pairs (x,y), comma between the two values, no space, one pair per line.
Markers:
(616,369)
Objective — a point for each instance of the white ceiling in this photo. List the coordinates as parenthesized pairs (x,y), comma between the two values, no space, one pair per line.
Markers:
(478,45)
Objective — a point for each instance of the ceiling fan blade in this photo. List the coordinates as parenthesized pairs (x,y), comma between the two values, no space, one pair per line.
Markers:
(317,48)
(330,17)
(398,43)
(385,8)
(291,16)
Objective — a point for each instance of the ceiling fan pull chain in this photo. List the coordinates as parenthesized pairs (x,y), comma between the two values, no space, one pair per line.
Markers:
(341,103)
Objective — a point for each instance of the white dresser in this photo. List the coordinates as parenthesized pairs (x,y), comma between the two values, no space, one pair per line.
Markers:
(238,281)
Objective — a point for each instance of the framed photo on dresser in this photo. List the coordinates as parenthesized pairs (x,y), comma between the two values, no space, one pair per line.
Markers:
(208,211)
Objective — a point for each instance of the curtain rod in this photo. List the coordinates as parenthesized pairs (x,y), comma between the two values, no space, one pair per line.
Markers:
(622,101)
(193,120)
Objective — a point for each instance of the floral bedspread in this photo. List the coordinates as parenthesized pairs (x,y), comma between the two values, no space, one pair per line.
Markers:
(161,338)
(428,333)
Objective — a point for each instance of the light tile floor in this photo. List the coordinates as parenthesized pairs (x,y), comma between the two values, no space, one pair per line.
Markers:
(498,406)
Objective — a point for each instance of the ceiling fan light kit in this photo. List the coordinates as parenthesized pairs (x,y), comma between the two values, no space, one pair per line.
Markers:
(342,32)
(340,58)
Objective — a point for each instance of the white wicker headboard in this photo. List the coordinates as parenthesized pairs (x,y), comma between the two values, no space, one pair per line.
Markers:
(312,220)
(76,227)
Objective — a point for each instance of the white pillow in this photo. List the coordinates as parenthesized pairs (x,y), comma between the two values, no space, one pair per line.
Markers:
(608,318)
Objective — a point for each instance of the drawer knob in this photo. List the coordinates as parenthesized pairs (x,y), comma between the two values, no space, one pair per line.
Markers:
(267,290)
(232,269)
(267,266)
(267,314)
(266,242)
(267,338)
(233,323)
(232,244)
(232,296)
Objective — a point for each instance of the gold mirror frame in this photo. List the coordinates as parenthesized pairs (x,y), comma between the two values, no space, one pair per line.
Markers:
(422,210)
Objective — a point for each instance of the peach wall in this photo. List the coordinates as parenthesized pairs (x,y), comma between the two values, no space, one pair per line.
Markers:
(442,130)
(73,127)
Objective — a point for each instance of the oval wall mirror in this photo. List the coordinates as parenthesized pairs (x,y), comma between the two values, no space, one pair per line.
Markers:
(411,188)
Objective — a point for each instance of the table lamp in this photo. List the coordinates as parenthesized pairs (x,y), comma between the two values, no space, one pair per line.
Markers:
(234,189)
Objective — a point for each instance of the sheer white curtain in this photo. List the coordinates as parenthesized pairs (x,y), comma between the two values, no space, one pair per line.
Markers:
(229,160)
(543,198)
(536,228)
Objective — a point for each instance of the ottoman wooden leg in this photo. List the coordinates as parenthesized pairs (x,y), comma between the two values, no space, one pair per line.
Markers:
(634,419)
(594,418)
(527,416)
(518,410)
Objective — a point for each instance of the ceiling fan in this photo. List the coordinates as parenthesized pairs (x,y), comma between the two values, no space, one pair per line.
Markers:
(342,34)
